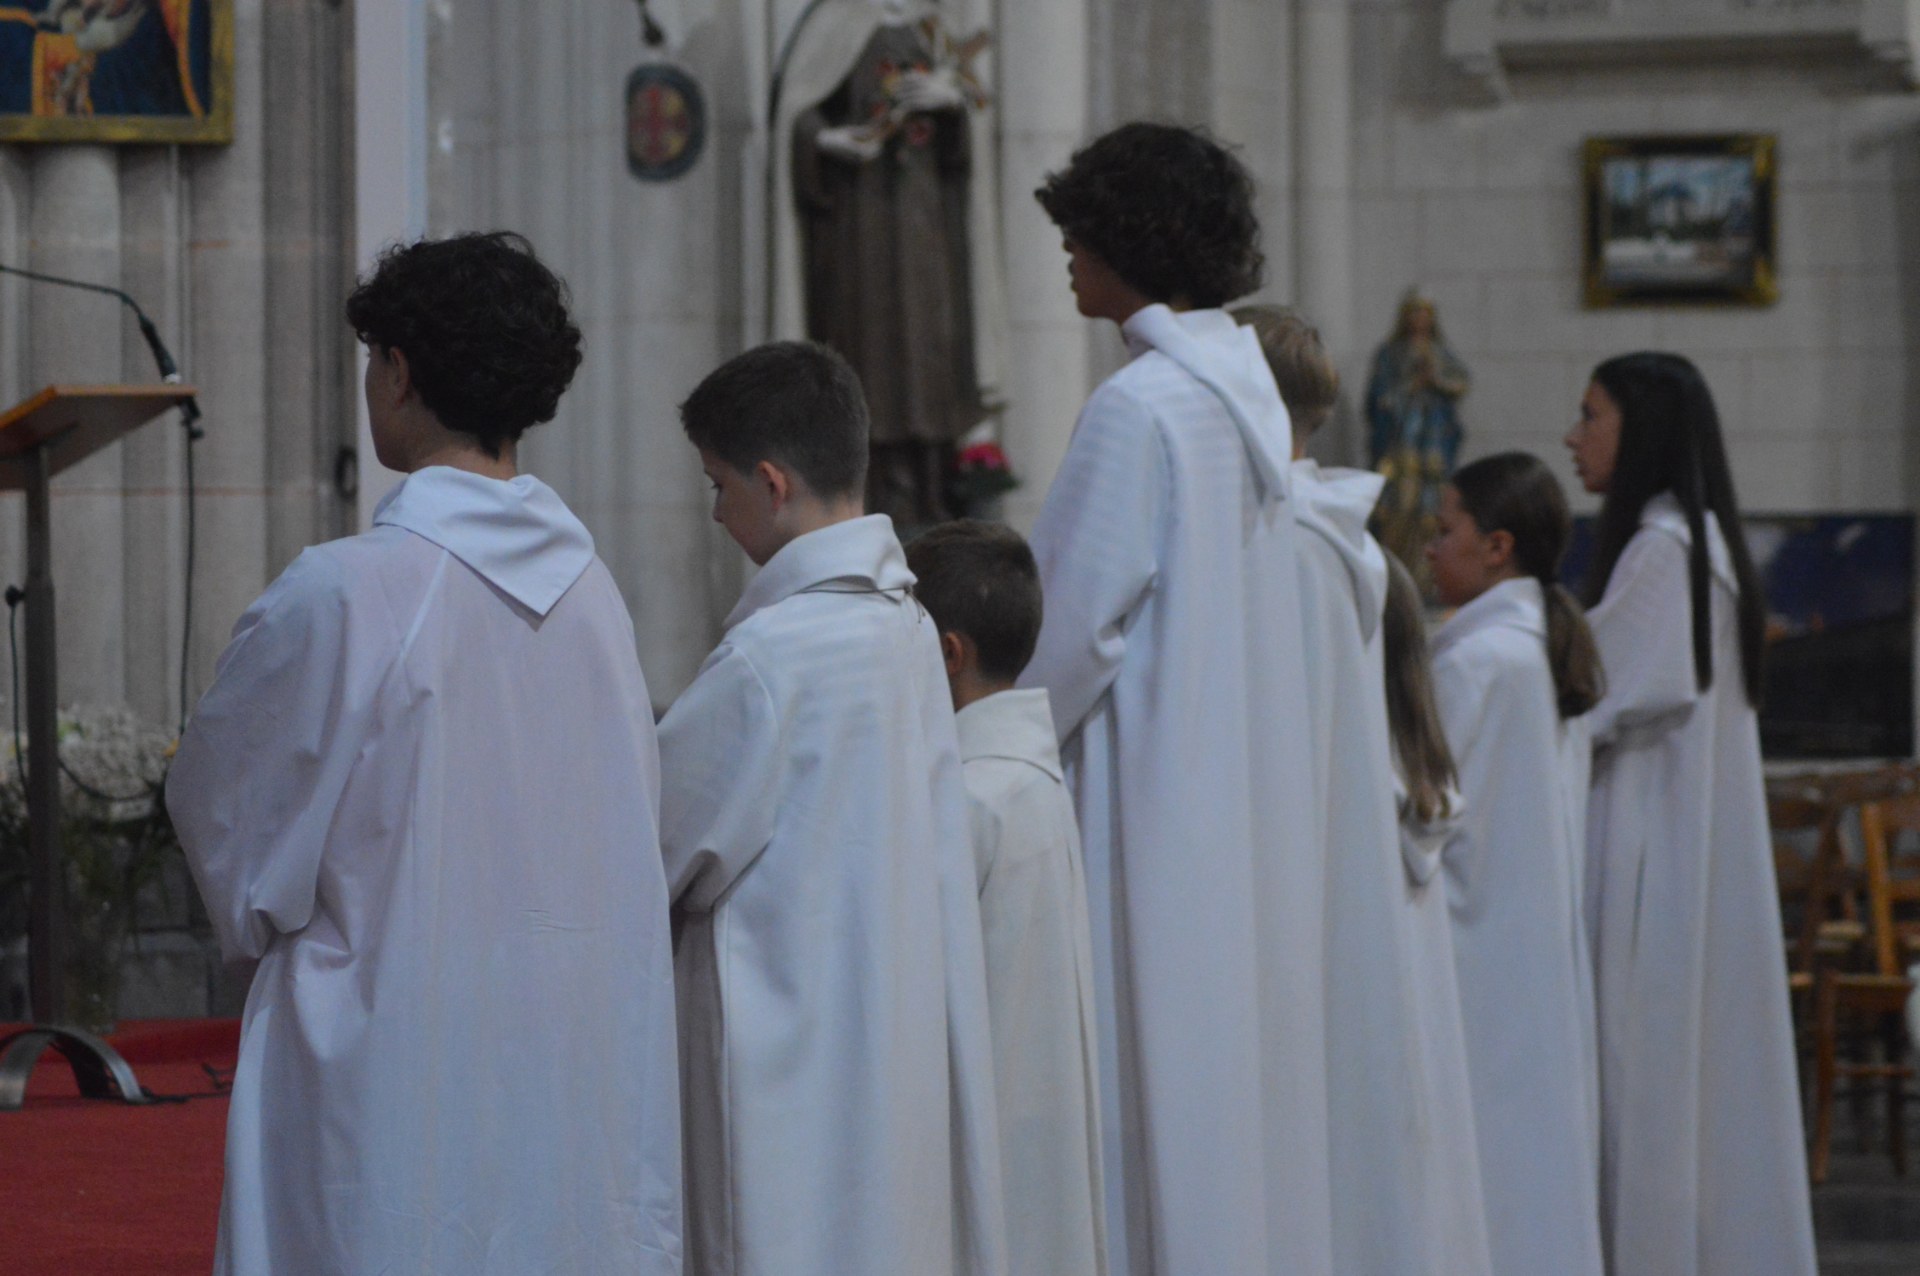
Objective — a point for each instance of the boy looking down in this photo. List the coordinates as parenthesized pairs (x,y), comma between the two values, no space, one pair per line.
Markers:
(834,1039)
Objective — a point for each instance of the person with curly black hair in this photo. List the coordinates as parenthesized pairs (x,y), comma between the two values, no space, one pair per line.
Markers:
(1173,653)
(468,344)
(1154,213)
(422,794)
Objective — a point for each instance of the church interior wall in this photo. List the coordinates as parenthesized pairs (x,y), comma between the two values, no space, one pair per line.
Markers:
(528,108)
(242,254)
(1481,205)
(238,254)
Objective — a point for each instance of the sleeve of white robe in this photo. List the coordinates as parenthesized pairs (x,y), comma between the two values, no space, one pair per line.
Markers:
(720,758)
(980,1220)
(1461,694)
(262,764)
(1097,542)
(1644,629)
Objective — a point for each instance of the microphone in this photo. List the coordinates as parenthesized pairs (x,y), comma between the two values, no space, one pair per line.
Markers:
(169,371)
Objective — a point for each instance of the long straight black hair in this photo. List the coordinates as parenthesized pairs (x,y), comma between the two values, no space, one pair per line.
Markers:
(1515,493)
(1670,442)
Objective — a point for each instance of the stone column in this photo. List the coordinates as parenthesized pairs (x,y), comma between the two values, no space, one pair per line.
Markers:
(390,159)
(153,269)
(1042,56)
(16,199)
(75,337)
(1323,182)
(1253,103)
(226,281)
(307,344)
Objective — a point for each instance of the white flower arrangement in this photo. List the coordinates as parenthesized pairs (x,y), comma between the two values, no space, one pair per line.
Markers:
(112,760)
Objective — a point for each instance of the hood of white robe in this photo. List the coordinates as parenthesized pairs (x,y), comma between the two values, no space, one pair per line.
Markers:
(860,555)
(1225,357)
(1336,504)
(1011,724)
(516,533)
(1663,513)
(1520,603)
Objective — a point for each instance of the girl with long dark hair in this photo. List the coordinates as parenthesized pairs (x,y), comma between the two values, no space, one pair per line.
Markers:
(1703,1164)
(1514,671)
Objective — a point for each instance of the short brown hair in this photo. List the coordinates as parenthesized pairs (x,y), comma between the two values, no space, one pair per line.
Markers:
(794,402)
(979,579)
(1309,383)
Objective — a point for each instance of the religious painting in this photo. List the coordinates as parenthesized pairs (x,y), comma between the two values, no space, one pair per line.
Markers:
(666,122)
(1840,631)
(1680,220)
(116,71)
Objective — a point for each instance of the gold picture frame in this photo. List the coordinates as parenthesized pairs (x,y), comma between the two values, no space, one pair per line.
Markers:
(129,71)
(1685,220)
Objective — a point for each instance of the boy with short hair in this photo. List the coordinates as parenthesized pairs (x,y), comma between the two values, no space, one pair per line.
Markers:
(834,1036)
(421,794)
(980,584)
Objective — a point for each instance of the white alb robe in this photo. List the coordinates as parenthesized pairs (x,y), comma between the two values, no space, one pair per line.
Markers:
(1703,1164)
(1519,942)
(835,1046)
(421,793)
(1172,652)
(1406,1186)
(1033,912)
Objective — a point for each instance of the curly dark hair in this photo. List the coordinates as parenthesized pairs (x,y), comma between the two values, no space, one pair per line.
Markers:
(1168,208)
(484,326)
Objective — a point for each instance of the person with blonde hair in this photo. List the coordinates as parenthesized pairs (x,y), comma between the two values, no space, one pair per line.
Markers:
(1406,1191)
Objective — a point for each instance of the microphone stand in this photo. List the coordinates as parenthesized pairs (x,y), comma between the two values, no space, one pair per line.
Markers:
(169,371)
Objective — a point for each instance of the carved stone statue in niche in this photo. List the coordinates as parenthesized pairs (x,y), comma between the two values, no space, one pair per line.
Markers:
(1413,427)
(880,170)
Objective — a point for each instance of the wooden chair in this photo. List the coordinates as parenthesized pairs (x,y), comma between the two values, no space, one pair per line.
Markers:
(1879,992)
(1816,891)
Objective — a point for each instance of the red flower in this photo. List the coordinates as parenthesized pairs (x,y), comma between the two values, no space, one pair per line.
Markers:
(983,456)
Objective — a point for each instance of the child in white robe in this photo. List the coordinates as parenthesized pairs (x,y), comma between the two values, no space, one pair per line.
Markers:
(835,1045)
(979,583)
(421,794)
(1515,669)
(1703,1157)
(1406,1191)
(1173,655)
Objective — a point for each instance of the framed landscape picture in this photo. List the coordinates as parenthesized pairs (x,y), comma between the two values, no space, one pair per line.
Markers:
(1685,220)
(116,71)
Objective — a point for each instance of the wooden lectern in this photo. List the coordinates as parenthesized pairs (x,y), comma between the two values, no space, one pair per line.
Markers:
(52,431)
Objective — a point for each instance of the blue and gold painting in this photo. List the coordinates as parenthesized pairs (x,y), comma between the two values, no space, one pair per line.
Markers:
(116,71)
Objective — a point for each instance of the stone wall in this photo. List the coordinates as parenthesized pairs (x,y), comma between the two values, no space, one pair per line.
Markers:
(1481,204)
(240,255)
(237,252)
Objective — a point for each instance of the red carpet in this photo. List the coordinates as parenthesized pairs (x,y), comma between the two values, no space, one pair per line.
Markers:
(93,1187)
